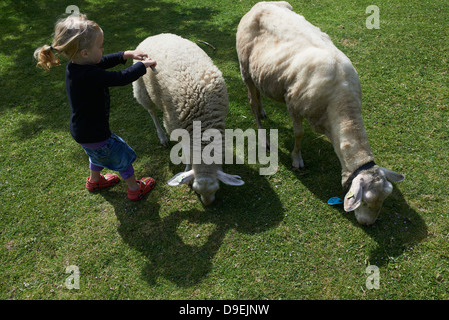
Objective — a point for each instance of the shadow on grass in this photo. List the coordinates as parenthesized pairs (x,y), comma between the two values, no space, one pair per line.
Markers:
(162,239)
(398,227)
(26,89)
(30,24)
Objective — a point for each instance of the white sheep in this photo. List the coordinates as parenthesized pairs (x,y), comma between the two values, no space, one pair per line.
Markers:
(188,87)
(289,60)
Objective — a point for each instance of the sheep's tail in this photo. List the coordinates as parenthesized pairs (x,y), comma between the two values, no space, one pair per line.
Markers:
(45,57)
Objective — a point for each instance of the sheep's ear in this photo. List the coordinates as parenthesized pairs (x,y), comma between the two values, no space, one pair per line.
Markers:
(232,180)
(353,198)
(392,176)
(181,178)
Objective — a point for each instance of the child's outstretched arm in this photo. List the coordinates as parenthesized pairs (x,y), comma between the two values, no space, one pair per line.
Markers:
(113,59)
(123,77)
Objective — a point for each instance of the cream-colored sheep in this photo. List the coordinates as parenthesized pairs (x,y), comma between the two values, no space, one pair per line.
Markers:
(290,60)
(188,87)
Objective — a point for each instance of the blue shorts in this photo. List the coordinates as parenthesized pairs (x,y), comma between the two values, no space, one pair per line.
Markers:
(115,155)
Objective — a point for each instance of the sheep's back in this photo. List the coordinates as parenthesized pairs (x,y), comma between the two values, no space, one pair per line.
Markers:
(188,85)
(288,58)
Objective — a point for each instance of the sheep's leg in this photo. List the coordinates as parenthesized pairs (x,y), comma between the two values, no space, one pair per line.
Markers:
(298,129)
(255,102)
(141,95)
(256,106)
(160,132)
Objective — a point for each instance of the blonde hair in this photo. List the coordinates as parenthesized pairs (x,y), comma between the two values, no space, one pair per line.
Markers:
(72,35)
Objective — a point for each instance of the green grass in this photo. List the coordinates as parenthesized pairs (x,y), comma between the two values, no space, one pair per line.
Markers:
(273,238)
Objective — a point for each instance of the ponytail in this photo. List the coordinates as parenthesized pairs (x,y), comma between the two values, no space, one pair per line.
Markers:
(46,58)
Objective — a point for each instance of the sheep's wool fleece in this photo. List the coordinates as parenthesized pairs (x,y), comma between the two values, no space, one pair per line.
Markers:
(188,87)
(292,61)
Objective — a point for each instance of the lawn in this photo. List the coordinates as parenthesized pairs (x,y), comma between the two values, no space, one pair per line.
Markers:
(273,238)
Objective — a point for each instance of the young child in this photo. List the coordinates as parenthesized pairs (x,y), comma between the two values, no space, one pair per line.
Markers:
(87,82)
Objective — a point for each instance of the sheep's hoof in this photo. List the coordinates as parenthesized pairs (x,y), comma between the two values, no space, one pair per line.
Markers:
(164,142)
(297,163)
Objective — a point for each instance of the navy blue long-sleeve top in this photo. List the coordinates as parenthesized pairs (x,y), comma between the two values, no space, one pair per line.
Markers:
(87,88)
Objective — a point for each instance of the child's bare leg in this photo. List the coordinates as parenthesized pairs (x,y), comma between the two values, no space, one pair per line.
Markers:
(94,176)
(132,183)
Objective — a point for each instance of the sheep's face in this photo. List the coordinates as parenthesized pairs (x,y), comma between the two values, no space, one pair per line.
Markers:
(206,187)
(373,195)
(205,184)
(368,192)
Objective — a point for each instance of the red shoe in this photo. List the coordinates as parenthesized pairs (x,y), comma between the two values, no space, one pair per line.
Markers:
(107,180)
(145,185)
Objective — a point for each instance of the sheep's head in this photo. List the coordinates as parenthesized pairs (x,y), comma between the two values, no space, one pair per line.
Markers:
(368,191)
(206,185)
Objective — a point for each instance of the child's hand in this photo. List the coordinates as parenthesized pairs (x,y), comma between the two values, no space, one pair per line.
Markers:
(135,54)
(142,56)
(149,63)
